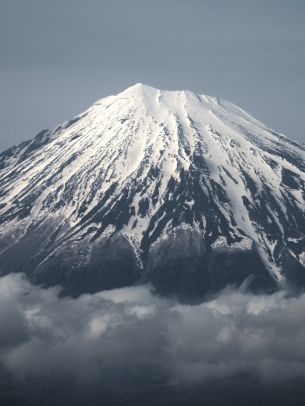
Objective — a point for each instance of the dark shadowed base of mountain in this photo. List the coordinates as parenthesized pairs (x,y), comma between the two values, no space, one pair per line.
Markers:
(179,266)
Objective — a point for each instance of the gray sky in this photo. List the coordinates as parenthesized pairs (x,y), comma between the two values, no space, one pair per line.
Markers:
(57,57)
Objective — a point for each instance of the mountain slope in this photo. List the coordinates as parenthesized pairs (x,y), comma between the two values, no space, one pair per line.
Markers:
(186,191)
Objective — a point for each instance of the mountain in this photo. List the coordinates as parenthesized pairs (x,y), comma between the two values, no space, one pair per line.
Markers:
(187,192)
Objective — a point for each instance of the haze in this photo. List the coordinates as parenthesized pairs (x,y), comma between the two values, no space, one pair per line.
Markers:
(58,57)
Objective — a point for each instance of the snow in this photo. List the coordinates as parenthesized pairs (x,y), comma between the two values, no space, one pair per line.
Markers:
(246,244)
(302,258)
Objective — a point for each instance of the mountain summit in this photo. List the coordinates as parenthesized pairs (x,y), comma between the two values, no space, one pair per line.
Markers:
(188,192)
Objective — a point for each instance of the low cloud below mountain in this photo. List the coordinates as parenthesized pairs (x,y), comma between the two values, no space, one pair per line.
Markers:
(114,344)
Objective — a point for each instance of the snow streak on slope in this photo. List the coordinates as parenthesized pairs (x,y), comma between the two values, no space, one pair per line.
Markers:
(145,162)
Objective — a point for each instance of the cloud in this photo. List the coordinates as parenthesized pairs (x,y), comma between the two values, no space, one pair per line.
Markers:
(134,338)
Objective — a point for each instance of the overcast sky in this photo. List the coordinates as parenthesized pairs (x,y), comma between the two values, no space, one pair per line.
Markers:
(57,57)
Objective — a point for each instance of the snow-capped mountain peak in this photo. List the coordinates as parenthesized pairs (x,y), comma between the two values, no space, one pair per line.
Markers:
(147,169)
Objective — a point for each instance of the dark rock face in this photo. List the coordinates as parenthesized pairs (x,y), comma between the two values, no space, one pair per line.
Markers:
(88,267)
(293,272)
(26,247)
(177,265)
(238,267)
(181,266)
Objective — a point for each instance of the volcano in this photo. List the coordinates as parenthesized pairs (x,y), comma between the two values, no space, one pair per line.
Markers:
(186,192)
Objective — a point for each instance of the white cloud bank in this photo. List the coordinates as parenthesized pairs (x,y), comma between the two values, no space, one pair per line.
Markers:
(130,335)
